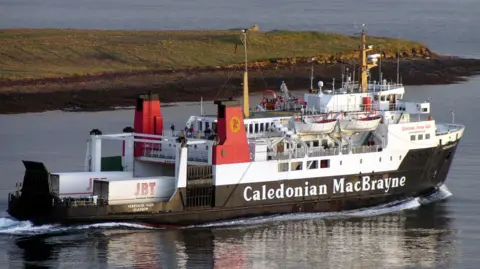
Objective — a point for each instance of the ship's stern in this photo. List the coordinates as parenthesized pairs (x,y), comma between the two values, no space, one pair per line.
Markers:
(36,196)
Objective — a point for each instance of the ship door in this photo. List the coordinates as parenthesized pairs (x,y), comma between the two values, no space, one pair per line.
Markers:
(200,189)
(393,99)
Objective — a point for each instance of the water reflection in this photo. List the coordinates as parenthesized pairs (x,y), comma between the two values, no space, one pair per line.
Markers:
(420,238)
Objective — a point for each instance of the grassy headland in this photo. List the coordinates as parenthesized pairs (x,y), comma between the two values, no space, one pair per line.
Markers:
(59,53)
(49,69)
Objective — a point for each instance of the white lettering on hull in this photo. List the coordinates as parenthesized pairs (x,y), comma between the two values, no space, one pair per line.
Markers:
(367,184)
(339,186)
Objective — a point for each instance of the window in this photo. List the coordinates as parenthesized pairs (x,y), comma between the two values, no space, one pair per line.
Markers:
(266,126)
(391,158)
(427,136)
(324,142)
(324,163)
(256,128)
(380,159)
(420,137)
(250,128)
(340,162)
(361,160)
(312,164)
(296,166)
(261,127)
(412,137)
(316,143)
(282,167)
(400,157)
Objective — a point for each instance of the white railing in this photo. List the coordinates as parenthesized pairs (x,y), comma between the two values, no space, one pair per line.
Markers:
(354,87)
(319,152)
(168,153)
(446,128)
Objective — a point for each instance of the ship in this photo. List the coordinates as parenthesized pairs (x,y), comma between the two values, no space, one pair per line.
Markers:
(357,146)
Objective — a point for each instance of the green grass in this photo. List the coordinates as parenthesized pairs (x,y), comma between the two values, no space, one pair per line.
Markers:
(54,53)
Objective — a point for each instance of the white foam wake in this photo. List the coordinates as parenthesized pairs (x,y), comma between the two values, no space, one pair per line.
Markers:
(13,227)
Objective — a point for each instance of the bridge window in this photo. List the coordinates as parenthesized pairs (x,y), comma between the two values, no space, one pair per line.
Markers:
(324,163)
(412,137)
(312,164)
(282,167)
(261,127)
(250,128)
(427,136)
(256,128)
(296,166)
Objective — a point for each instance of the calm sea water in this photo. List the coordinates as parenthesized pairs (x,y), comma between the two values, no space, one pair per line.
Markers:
(422,233)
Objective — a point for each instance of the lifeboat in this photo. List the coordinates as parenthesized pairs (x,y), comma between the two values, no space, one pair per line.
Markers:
(366,124)
(324,126)
(269,103)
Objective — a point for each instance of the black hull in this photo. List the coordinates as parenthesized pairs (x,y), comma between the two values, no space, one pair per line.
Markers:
(425,170)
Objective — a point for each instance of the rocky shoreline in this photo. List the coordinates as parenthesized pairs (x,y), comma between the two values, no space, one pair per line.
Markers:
(107,91)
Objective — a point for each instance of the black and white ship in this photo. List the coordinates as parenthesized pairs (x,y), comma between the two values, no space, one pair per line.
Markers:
(356,146)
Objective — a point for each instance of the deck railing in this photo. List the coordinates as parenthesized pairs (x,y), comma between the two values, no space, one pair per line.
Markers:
(319,152)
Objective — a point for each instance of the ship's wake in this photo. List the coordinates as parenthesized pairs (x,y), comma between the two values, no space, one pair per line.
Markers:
(25,228)
(13,227)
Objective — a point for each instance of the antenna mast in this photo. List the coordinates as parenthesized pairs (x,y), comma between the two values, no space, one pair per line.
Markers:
(380,68)
(364,66)
(398,64)
(246,106)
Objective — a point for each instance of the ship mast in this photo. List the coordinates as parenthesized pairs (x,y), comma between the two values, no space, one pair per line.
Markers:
(246,106)
(364,66)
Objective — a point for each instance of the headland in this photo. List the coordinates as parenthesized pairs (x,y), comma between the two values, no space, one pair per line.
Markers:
(50,69)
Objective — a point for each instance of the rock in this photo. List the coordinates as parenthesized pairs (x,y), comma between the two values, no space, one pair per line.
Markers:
(254,28)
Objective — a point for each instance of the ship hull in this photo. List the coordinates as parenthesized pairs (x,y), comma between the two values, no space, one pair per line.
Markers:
(421,172)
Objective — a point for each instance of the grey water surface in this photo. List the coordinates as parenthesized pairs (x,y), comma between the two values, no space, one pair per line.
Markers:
(419,233)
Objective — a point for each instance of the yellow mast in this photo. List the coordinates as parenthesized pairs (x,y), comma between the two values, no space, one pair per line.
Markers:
(364,66)
(246,106)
